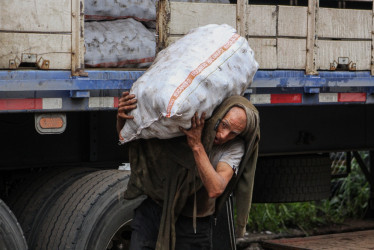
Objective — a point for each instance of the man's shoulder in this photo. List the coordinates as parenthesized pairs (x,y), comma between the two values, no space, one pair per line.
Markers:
(235,143)
(235,146)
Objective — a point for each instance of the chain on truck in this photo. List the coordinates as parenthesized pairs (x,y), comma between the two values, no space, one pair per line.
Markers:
(60,181)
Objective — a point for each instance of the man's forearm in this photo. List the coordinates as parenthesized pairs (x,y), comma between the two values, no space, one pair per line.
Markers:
(213,182)
(126,103)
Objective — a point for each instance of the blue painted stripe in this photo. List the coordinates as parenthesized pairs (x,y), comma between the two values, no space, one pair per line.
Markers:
(11,75)
(61,80)
(103,83)
(279,81)
(282,81)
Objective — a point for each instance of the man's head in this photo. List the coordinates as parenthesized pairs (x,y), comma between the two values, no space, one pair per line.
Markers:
(232,124)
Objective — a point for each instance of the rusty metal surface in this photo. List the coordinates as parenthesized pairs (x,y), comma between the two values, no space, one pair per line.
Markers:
(343,63)
(43,64)
(358,240)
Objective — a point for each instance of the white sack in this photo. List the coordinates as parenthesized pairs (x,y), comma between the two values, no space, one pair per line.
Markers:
(142,10)
(119,43)
(196,73)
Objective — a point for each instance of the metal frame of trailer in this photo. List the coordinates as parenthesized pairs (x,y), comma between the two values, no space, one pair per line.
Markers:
(58,91)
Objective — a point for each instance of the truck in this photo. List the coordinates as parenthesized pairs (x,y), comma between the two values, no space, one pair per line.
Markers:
(62,171)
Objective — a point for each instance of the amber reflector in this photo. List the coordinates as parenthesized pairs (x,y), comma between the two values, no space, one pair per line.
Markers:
(47,122)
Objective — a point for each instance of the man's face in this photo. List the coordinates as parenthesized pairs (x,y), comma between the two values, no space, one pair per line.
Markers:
(231,126)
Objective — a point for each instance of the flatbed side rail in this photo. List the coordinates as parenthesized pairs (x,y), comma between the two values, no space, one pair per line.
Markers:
(282,87)
(58,91)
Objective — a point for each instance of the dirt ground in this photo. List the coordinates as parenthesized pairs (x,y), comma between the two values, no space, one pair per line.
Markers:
(252,241)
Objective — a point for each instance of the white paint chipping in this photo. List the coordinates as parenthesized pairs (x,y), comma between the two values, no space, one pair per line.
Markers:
(52,103)
(101,102)
(260,98)
(328,97)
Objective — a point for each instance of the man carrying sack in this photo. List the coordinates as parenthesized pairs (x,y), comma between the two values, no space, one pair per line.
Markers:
(188,179)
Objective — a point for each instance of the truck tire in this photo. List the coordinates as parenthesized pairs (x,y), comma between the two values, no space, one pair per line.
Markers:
(91,214)
(44,182)
(11,235)
(292,179)
(41,194)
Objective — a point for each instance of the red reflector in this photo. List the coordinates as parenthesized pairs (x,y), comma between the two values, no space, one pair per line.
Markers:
(286,98)
(351,97)
(116,102)
(20,104)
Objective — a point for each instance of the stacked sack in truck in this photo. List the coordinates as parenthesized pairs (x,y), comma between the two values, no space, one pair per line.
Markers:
(196,73)
(119,43)
(141,10)
(121,33)
(115,35)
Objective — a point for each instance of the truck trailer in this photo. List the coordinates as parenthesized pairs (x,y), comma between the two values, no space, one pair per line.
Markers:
(62,171)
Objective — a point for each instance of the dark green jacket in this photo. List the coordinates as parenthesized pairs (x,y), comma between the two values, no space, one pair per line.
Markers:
(165,171)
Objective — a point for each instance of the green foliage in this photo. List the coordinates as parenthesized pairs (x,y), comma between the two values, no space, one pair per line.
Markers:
(352,193)
(349,200)
(281,217)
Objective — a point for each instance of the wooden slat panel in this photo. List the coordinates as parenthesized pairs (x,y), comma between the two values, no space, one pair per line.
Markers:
(344,23)
(265,52)
(291,53)
(312,39)
(262,20)
(372,42)
(77,41)
(162,24)
(292,21)
(185,16)
(357,51)
(53,47)
(36,15)
(241,17)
